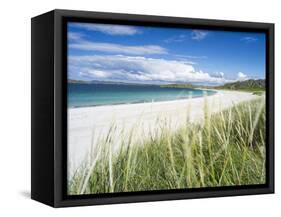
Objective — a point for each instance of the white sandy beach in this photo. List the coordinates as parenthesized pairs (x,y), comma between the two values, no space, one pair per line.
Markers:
(86,124)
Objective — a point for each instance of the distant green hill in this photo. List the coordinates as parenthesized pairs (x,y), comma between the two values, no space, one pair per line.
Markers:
(76,81)
(72,81)
(248,85)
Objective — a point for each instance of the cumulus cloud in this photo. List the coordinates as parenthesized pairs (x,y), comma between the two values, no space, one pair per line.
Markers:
(218,74)
(108,28)
(198,35)
(138,69)
(241,76)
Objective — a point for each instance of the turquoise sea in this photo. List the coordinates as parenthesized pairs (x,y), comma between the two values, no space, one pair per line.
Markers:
(83,95)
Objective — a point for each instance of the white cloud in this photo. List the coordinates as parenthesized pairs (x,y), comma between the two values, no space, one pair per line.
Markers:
(138,69)
(78,42)
(177,38)
(118,48)
(241,76)
(108,28)
(190,56)
(249,39)
(74,35)
(198,35)
(218,74)
(95,73)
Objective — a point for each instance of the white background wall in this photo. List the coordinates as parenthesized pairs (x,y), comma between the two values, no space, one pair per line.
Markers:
(15,106)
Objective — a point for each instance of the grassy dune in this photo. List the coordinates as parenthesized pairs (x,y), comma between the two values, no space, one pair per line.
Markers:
(227,148)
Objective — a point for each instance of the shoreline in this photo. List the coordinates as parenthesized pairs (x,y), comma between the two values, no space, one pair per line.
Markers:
(87,124)
(141,102)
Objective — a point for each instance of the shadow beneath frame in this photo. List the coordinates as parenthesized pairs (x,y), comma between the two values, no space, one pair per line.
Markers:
(25,194)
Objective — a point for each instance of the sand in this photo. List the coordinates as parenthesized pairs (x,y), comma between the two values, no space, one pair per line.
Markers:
(88,125)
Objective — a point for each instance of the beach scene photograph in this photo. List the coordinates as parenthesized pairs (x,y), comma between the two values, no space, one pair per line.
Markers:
(155,108)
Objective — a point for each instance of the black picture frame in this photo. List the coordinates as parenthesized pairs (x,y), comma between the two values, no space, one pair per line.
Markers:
(49,108)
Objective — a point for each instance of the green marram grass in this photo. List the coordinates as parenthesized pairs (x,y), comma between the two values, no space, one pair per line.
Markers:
(225,149)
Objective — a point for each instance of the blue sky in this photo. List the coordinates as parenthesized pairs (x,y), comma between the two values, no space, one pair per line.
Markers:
(140,54)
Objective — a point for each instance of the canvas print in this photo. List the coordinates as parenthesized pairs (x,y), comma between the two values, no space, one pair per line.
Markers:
(156,108)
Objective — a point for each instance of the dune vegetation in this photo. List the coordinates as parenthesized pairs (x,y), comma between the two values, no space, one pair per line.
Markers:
(225,149)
